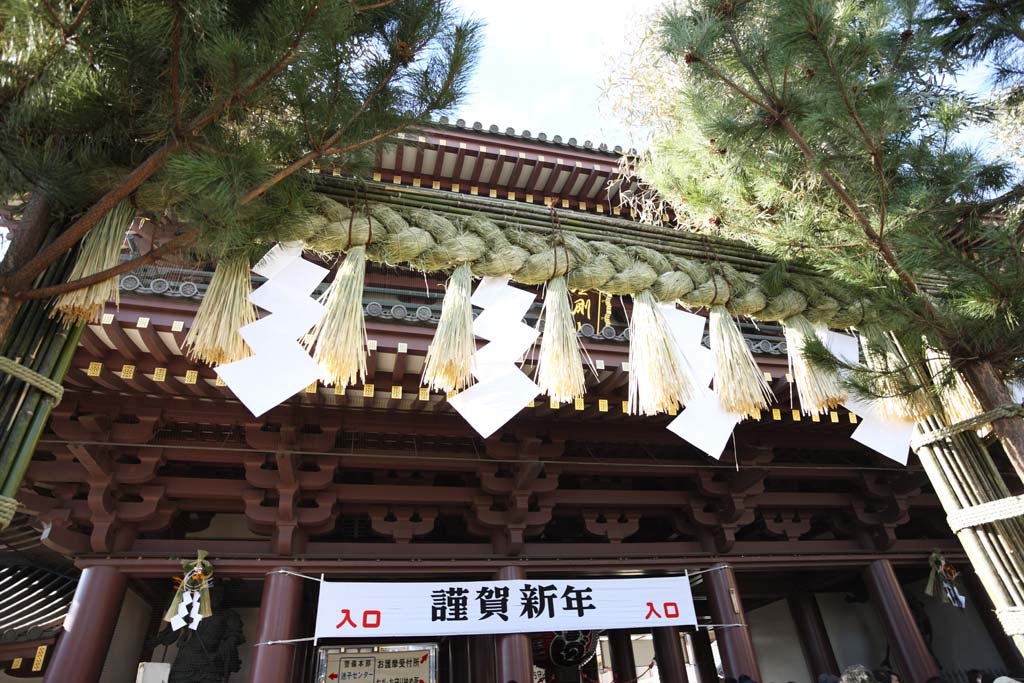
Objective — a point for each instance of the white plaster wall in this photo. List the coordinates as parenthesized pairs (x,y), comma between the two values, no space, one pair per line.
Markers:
(857,635)
(122,660)
(959,637)
(777,644)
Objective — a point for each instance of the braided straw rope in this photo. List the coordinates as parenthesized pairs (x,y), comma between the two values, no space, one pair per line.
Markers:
(8,506)
(986,513)
(429,241)
(44,384)
(989,416)
(1012,620)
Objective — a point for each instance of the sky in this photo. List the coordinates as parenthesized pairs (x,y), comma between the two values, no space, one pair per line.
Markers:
(543,63)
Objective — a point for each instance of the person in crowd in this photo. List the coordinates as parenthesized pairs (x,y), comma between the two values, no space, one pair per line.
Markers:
(858,674)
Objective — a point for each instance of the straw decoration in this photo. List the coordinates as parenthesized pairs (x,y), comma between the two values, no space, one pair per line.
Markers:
(451,355)
(560,373)
(740,384)
(958,400)
(660,378)
(340,336)
(884,357)
(214,337)
(101,249)
(818,389)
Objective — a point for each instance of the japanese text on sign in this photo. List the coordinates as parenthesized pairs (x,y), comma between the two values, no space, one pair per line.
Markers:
(354,610)
(407,666)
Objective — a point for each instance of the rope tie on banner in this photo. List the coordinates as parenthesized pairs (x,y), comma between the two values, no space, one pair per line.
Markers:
(998,413)
(53,390)
(1012,620)
(986,513)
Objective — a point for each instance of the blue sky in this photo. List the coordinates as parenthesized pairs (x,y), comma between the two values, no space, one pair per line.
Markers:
(543,64)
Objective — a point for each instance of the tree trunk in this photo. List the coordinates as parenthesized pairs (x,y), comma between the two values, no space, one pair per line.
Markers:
(992,392)
(26,240)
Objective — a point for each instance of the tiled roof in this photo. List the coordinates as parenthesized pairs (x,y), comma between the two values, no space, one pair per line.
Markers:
(525,134)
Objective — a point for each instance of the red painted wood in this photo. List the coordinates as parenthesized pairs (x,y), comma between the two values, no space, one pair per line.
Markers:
(280,619)
(515,660)
(668,651)
(814,641)
(912,657)
(734,643)
(84,641)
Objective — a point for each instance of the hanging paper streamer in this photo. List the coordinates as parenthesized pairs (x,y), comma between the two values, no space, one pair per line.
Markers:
(502,389)
(280,367)
(879,432)
(703,423)
(191,603)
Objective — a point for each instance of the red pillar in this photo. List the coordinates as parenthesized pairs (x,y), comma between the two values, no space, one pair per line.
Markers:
(668,651)
(707,672)
(482,658)
(734,643)
(89,627)
(515,661)
(814,642)
(912,656)
(280,619)
(620,642)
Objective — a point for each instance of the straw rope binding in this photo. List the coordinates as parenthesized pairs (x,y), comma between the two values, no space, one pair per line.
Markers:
(1012,620)
(53,390)
(8,506)
(998,413)
(986,513)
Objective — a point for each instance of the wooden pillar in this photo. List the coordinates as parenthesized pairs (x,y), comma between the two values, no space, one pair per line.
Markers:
(481,650)
(515,661)
(734,643)
(620,644)
(668,652)
(88,627)
(987,611)
(912,657)
(704,658)
(814,640)
(280,619)
(458,660)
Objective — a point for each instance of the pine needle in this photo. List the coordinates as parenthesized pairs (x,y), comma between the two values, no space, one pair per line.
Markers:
(818,389)
(883,356)
(740,384)
(340,336)
(214,337)
(958,400)
(660,378)
(101,249)
(560,373)
(452,353)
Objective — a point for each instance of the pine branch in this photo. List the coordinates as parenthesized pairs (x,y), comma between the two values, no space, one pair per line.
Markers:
(167,248)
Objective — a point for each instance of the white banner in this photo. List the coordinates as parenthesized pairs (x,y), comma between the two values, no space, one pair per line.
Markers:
(384,610)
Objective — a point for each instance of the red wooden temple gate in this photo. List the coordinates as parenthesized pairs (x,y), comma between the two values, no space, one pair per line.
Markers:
(149,459)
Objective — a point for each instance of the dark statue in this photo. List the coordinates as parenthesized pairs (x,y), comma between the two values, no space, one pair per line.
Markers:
(210,653)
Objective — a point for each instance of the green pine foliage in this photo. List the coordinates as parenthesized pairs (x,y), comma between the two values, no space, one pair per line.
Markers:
(825,133)
(89,90)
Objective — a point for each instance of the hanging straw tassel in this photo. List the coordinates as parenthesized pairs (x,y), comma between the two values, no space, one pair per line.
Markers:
(958,401)
(818,389)
(225,309)
(740,384)
(101,249)
(884,356)
(660,378)
(340,336)
(560,373)
(451,355)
